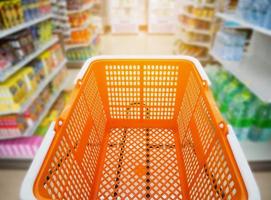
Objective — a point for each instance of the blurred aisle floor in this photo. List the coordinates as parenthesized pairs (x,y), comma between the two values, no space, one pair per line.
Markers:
(141,44)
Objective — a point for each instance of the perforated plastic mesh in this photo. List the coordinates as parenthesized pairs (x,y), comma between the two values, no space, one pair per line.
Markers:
(207,172)
(159,91)
(140,164)
(95,157)
(123,87)
(65,179)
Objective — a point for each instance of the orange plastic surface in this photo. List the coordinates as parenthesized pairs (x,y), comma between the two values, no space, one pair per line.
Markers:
(140,129)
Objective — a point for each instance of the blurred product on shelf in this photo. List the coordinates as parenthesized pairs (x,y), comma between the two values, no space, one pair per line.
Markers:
(14,48)
(16,125)
(21,148)
(58,80)
(77,4)
(195,37)
(17,89)
(55,111)
(229,45)
(80,36)
(204,2)
(257,12)
(194,23)
(80,54)
(15,12)
(12,125)
(249,116)
(198,52)
(79,19)
(200,12)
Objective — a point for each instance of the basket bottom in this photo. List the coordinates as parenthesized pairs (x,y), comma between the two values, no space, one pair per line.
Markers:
(140,164)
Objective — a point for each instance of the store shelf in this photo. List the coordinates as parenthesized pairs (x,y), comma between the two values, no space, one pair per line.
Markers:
(244,23)
(11,70)
(195,43)
(82,9)
(196,17)
(253,72)
(257,151)
(83,26)
(41,87)
(200,5)
(188,28)
(31,130)
(5,32)
(88,43)
(50,103)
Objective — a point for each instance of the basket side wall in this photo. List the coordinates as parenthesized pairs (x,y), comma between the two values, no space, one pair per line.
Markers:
(209,165)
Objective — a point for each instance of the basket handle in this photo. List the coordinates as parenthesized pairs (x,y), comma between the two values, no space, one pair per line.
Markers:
(26,192)
(197,64)
(249,180)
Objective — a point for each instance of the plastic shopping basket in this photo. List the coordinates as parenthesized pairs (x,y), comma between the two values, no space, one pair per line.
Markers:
(140,128)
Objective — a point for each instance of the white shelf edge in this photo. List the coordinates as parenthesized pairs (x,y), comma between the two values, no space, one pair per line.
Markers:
(196,17)
(84,25)
(30,131)
(6,32)
(72,46)
(76,62)
(200,44)
(9,71)
(41,87)
(256,80)
(195,30)
(82,9)
(257,151)
(237,19)
(201,59)
(223,62)
(195,4)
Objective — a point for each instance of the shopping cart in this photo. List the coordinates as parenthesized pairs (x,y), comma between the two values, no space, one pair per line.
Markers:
(140,128)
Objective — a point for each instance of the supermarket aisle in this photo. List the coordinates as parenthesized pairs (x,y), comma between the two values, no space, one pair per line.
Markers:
(11,180)
(141,44)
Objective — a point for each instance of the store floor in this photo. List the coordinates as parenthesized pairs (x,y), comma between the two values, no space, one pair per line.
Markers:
(10,180)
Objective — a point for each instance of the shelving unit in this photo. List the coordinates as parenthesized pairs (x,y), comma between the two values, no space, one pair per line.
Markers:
(4,33)
(31,130)
(33,96)
(186,27)
(123,16)
(162,16)
(66,28)
(22,109)
(244,23)
(254,71)
(5,74)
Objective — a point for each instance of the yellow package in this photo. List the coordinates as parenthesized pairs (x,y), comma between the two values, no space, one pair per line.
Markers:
(30,78)
(46,61)
(13,92)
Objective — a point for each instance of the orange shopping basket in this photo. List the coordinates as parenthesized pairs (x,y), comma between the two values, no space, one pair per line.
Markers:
(140,128)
